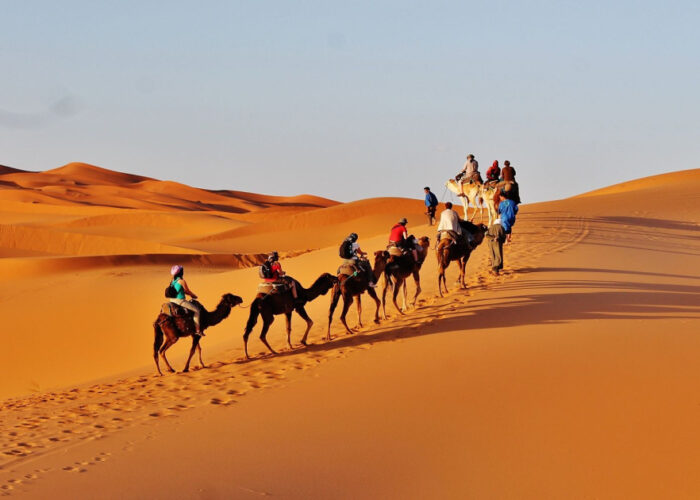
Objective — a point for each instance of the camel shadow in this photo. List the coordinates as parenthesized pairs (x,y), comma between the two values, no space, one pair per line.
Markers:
(545,302)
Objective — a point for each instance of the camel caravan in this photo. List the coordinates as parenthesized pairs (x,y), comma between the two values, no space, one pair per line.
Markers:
(403,258)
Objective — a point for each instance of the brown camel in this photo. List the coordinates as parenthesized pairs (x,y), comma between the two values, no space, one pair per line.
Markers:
(173,328)
(272,304)
(355,286)
(447,252)
(397,272)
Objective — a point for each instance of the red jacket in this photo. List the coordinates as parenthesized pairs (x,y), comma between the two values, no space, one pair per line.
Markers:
(398,233)
(276,268)
(493,172)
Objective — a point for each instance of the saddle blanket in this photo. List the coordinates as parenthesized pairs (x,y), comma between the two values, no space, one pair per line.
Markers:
(268,288)
(171,309)
(347,268)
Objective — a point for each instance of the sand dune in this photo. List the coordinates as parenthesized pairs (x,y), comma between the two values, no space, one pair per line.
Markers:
(684,180)
(81,183)
(571,375)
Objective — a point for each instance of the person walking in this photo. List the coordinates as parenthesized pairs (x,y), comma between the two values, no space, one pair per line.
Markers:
(498,232)
(431,203)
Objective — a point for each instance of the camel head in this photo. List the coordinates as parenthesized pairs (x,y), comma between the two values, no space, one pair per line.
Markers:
(424,242)
(380,259)
(453,186)
(481,230)
(231,300)
(327,281)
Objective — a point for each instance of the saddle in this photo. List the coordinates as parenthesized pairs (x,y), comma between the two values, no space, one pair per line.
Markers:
(183,318)
(395,251)
(347,268)
(273,287)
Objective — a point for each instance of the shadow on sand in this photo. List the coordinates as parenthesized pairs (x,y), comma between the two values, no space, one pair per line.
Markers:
(543,302)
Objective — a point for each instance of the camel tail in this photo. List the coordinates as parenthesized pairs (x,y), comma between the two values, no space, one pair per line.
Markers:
(253,318)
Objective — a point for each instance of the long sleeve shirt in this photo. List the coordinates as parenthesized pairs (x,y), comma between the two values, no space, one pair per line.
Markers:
(449,221)
(470,167)
(431,200)
(507,210)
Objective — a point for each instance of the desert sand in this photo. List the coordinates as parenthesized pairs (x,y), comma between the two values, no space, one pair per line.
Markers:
(574,374)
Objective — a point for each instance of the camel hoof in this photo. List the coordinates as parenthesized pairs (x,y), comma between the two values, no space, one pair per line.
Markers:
(376,321)
(186,370)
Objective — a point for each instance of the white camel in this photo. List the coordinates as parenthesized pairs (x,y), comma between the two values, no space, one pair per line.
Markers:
(477,195)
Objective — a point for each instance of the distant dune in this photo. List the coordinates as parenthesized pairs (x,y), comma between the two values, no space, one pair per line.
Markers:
(680,178)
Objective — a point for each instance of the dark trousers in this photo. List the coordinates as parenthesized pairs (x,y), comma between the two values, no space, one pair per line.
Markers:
(431,215)
(496,236)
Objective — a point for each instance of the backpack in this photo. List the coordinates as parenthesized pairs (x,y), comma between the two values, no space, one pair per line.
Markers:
(170,292)
(345,250)
(265,270)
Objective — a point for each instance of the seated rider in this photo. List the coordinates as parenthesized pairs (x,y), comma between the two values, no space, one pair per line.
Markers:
(470,171)
(351,252)
(450,227)
(277,275)
(508,187)
(399,238)
(180,286)
(493,173)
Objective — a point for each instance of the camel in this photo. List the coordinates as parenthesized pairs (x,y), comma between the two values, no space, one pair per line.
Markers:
(173,328)
(447,252)
(400,268)
(355,286)
(271,304)
(470,194)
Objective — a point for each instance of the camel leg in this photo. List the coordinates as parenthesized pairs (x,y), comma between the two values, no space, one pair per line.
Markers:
(346,305)
(302,312)
(462,272)
(387,284)
(416,278)
(465,206)
(373,294)
(168,343)
(405,292)
(157,342)
(267,321)
(195,343)
(199,351)
(358,301)
(397,288)
(335,296)
(442,282)
(288,317)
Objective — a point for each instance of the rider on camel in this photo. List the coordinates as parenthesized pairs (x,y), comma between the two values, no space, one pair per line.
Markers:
(352,254)
(493,173)
(470,171)
(399,238)
(449,225)
(507,187)
(277,275)
(180,286)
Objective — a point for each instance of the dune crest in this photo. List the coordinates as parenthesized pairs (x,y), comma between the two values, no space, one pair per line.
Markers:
(663,181)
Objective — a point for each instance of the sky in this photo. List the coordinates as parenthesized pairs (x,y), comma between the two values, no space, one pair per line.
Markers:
(350,100)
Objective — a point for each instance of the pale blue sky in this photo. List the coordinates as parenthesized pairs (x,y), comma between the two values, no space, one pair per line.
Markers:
(352,99)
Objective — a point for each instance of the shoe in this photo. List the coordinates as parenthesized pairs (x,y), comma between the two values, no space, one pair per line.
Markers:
(372,285)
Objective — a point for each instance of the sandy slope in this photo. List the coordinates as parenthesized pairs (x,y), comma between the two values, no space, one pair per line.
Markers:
(573,375)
